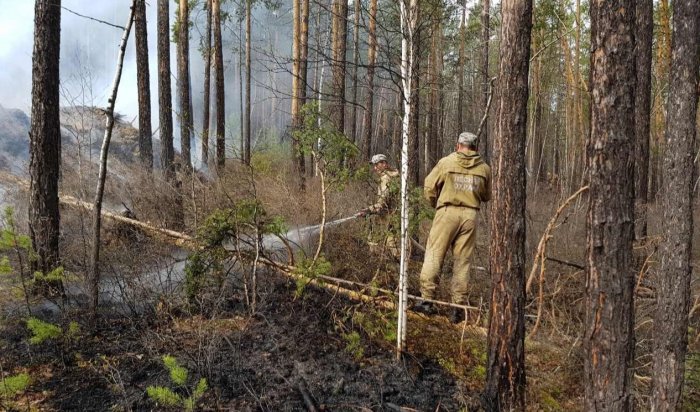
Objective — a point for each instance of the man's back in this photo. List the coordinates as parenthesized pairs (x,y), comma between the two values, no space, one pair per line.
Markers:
(459,179)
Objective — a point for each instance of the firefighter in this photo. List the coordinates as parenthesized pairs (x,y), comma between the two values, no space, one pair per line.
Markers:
(384,207)
(456,187)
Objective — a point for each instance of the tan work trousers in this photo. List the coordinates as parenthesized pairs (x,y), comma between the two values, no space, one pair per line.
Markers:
(453,227)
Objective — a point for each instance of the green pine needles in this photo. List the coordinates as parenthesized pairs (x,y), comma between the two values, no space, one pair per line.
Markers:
(164,396)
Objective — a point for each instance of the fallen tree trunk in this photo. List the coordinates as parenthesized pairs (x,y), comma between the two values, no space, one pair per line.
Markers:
(186,241)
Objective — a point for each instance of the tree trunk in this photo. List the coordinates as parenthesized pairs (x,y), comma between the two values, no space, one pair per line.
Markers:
(484,74)
(303,75)
(356,62)
(241,68)
(673,290)
(430,157)
(167,153)
(642,111)
(408,28)
(609,334)
(505,381)
(219,87)
(460,69)
(297,90)
(339,30)
(414,101)
(207,85)
(183,82)
(102,177)
(144,88)
(45,136)
(246,120)
(371,62)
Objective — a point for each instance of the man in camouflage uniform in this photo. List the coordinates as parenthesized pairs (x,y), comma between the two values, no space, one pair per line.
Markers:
(383,207)
(456,188)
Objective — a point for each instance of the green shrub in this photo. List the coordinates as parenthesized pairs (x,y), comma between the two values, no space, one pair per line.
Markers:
(42,331)
(11,386)
(178,375)
(217,233)
(353,345)
(163,396)
(308,270)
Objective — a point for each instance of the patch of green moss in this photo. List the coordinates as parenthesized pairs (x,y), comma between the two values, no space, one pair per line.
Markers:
(548,403)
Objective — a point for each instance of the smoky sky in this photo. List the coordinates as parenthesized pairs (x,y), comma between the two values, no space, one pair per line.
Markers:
(89,52)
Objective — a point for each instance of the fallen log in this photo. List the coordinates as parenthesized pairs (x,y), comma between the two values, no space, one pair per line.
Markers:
(186,241)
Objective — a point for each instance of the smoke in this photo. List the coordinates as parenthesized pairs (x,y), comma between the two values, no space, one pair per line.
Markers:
(89,52)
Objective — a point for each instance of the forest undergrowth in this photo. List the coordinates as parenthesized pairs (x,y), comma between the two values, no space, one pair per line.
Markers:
(297,344)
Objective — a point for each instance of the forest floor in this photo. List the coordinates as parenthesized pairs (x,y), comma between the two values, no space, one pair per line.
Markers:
(318,344)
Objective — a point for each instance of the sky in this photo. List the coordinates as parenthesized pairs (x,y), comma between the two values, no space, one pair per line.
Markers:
(88,50)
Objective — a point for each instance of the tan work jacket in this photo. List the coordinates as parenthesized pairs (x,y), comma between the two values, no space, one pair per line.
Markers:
(385,199)
(460,179)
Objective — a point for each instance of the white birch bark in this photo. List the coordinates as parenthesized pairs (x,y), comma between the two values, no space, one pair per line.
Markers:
(109,112)
(407,29)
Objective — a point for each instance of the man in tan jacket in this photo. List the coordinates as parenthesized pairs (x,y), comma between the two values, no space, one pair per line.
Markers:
(382,236)
(456,188)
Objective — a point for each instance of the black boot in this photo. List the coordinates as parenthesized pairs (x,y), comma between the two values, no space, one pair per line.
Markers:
(457,315)
(425,308)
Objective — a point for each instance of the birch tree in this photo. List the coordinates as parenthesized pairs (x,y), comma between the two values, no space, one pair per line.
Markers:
(409,14)
(102,177)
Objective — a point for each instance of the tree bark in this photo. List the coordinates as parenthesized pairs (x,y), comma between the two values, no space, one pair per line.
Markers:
(219,87)
(45,136)
(167,152)
(609,334)
(303,76)
(484,74)
(183,83)
(102,177)
(673,290)
(414,135)
(642,111)
(433,133)
(505,381)
(144,86)
(460,69)
(339,29)
(296,89)
(356,62)
(207,84)
(408,30)
(241,68)
(371,62)
(246,120)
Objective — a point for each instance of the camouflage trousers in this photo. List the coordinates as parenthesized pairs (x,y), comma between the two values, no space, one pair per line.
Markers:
(453,228)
